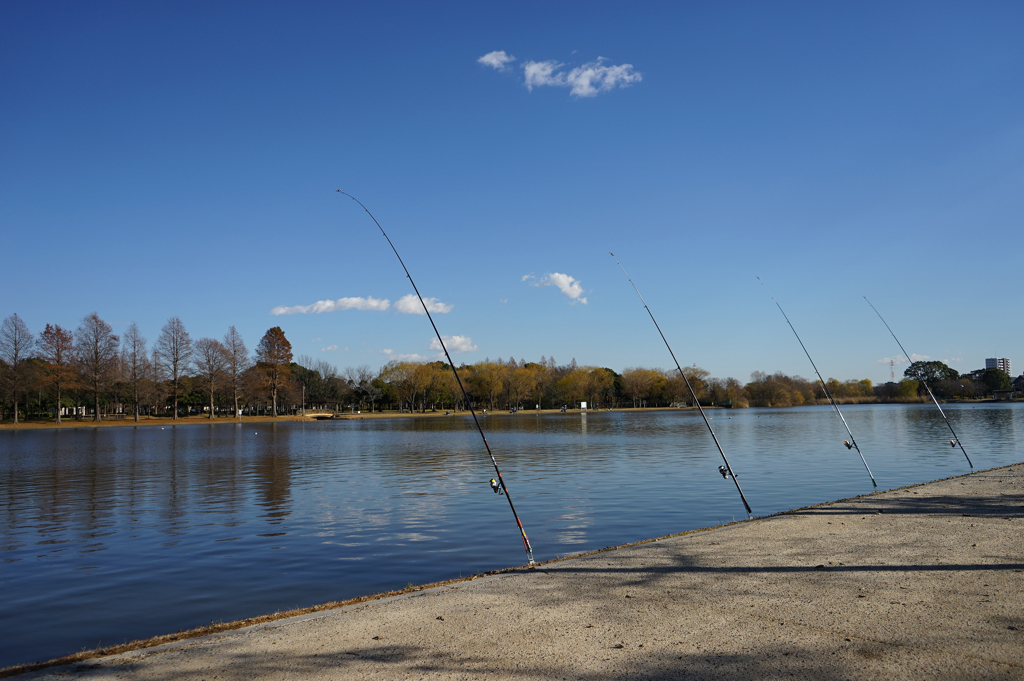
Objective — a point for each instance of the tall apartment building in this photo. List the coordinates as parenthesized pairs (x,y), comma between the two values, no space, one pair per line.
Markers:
(1001,363)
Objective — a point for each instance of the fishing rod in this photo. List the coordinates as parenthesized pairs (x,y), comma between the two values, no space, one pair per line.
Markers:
(851,443)
(498,486)
(956,440)
(726,470)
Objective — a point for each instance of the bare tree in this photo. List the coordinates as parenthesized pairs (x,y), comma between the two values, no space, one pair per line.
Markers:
(211,361)
(57,350)
(327,371)
(135,362)
(237,362)
(366,378)
(173,353)
(317,379)
(307,378)
(360,381)
(97,354)
(251,389)
(16,343)
(355,383)
(330,385)
(118,382)
(273,356)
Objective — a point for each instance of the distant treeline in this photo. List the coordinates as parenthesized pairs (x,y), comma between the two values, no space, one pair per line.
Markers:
(92,373)
(945,382)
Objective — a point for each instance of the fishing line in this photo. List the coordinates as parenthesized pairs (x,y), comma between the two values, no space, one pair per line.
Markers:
(956,439)
(726,470)
(500,481)
(852,443)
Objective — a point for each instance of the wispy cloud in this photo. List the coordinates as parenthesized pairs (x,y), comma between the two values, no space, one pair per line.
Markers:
(410,304)
(320,306)
(568,285)
(902,359)
(413,357)
(329,348)
(587,80)
(455,344)
(499,59)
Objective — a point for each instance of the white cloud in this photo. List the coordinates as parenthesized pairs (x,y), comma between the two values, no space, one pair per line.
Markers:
(497,59)
(387,351)
(414,357)
(538,73)
(410,304)
(315,340)
(455,344)
(568,285)
(526,276)
(329,348)
(588,80)
(320,306)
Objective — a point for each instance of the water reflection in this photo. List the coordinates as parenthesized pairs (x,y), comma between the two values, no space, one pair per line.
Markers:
(73,486)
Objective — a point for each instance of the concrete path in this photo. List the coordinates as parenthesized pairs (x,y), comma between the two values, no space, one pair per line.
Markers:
(922,583)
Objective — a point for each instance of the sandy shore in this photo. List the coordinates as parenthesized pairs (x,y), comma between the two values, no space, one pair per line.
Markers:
(921,583)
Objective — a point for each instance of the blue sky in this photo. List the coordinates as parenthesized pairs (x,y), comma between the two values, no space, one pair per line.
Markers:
(182,159)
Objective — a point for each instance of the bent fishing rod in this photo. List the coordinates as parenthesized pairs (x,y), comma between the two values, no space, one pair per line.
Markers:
(498,486)
(852,443)
(726,471)
(956,440)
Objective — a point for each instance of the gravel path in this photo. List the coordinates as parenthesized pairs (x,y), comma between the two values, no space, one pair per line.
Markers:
(921,583)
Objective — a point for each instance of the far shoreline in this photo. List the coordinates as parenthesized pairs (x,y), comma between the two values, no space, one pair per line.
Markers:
(147,421)
(164,421)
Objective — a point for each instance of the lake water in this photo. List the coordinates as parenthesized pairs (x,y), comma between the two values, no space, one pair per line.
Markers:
(112,534)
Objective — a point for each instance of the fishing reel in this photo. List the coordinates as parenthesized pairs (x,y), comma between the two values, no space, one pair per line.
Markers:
(496,486)
(725,472)
(848,445)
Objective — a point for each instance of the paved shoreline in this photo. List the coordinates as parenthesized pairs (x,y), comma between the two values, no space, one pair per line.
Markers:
(922,582)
